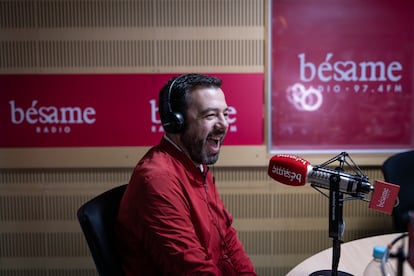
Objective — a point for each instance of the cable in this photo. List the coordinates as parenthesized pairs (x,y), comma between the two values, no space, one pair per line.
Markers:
(388,254)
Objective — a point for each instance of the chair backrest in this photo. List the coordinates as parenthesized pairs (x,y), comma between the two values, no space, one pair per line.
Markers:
(398,169)
(97,219)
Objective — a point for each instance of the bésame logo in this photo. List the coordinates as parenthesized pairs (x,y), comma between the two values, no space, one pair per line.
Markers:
(51,119)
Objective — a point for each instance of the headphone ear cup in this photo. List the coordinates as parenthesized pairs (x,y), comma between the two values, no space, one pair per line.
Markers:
(172,121)
(175,122)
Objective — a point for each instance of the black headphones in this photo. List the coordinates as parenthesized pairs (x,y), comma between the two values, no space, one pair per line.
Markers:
(172,122)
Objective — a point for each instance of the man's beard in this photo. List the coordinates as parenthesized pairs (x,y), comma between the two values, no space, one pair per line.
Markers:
(197,148)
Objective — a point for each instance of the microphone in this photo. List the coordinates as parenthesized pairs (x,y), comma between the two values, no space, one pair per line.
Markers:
(296,171)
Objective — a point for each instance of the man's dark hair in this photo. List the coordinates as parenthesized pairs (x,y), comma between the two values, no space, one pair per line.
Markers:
(173,96)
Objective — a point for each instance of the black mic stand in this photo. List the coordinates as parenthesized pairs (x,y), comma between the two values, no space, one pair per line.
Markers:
(336,227)
(336,223)
(400,260)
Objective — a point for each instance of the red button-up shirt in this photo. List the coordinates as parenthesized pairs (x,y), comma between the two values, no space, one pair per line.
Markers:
(172,221)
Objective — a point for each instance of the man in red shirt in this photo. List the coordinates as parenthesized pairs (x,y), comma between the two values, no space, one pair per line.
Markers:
(171,219)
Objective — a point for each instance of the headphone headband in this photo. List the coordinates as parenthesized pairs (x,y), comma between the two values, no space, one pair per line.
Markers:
(169,94)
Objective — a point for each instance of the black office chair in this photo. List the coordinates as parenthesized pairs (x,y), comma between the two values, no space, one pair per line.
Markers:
(399,169)
(97,219)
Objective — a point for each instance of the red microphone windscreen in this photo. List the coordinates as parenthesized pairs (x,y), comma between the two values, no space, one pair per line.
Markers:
(288,169)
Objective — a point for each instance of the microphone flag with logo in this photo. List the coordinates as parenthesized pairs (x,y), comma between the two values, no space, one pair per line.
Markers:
(384,196)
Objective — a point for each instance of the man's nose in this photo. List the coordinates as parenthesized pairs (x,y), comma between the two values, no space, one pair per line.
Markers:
(222,122)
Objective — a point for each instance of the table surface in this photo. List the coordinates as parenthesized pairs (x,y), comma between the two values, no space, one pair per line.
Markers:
(355,255)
